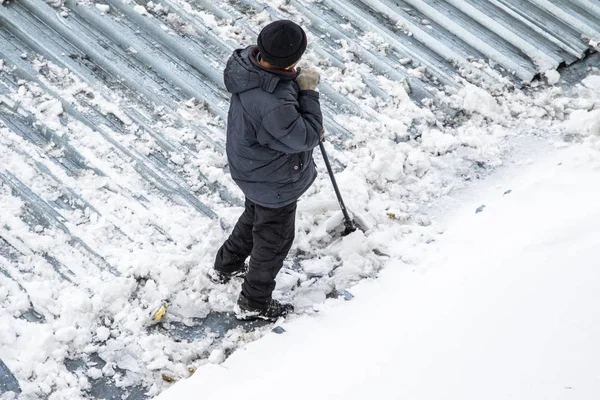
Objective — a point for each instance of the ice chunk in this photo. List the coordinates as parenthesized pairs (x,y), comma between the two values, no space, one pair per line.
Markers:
(52,108)
(94,373)
(477,100)
(286,280)
(104,8)
(103,333)
(177,159)
(310,297)
(592,82)
(318,266)
(140,9)
(552,76)
(347,295)
(66,334)
(187,308)
(217,356)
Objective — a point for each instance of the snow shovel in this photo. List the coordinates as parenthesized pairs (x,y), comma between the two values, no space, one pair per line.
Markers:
(349,224)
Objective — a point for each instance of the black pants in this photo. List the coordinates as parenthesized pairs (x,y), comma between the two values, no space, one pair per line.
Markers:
(266,235)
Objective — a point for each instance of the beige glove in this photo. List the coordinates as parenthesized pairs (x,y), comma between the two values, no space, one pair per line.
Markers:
(308,79)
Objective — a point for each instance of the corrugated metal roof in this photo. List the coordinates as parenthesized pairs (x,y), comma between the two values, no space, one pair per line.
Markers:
(151,65)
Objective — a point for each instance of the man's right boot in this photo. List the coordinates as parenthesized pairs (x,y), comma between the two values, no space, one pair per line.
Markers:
(271,311)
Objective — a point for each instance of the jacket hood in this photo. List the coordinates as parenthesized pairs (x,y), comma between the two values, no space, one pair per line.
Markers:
(243,73)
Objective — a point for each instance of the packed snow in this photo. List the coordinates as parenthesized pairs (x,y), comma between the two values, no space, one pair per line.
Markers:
(503,304)
(400,159)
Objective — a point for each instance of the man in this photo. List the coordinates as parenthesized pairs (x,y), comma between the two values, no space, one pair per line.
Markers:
(274,124)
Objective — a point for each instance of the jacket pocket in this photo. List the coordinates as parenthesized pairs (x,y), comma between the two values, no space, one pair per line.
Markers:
(306,159)
(296,166)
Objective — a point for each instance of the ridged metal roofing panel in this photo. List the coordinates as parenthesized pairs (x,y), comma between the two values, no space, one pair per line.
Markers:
(553,29)
(519,36)
(438,24)
(577,14)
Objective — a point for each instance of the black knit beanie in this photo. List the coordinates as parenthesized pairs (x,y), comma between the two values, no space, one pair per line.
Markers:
(282,43)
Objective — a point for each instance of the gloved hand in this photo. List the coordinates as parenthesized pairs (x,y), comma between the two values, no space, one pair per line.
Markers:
(308,79)
(323,135)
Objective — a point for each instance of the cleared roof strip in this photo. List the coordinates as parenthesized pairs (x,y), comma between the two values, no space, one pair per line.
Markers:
(544,24)
(510,61)
(544,56)
(565,12)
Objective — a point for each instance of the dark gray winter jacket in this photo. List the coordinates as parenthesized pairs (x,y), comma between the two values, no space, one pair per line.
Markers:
(272,128)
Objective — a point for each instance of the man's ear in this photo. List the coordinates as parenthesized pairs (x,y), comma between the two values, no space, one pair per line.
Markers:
(291,67)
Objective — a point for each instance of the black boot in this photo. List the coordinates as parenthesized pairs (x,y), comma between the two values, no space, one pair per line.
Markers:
(221,278)
(271,311)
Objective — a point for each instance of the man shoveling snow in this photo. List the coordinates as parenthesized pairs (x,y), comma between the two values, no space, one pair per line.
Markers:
(274,124)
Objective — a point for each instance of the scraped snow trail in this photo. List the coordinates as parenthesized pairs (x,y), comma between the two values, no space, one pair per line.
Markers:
(504,305)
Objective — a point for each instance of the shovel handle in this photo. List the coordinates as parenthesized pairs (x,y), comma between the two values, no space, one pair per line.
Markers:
(347,221)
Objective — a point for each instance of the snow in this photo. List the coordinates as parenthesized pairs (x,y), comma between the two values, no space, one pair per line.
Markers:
(438,142)
(217,356)
(103,333)
(592,82)
(55,3)
(552,76)
(177,159)
(478,100)
(584,122)
(504,302)
(103,8)
(140,9)
(321,266)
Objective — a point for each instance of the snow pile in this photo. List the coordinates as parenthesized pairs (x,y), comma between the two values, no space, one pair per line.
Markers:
(592,82)
(584,122)
(505,299)
(585,119)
